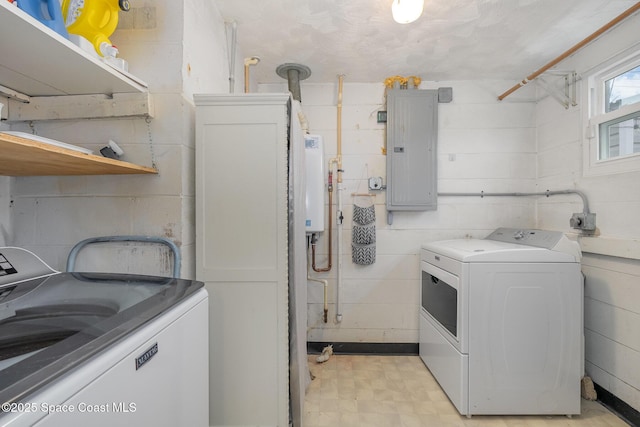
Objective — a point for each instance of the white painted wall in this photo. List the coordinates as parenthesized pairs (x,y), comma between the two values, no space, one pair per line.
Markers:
(176,58)
(483,145)
(612,291)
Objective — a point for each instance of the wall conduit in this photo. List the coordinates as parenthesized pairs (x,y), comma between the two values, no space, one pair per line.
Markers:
(231,27)
(586,214)
(339,216)
(585,202)
(314,239)
(624,15)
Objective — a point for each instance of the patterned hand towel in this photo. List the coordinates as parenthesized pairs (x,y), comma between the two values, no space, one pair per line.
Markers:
(363,240)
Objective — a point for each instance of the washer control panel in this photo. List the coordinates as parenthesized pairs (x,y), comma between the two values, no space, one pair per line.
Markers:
(6,267)
(17,264)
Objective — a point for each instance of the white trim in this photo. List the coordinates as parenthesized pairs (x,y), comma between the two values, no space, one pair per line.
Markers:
(594,115)
(622,248)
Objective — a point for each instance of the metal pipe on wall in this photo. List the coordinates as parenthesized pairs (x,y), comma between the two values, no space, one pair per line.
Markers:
(586,221)
(325,284)
(585,202)
(339,216)
(337,161)
(231,52)
(329,238)
(624,15)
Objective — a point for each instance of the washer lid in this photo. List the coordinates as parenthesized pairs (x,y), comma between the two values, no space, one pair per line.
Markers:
(510,245)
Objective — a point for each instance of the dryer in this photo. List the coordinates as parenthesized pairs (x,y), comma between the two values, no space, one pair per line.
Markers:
(501,321)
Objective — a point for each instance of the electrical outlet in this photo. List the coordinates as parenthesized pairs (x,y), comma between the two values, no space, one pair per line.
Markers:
(375,183)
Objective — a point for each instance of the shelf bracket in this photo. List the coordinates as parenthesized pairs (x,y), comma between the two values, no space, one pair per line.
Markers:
(565,92)
(75,107)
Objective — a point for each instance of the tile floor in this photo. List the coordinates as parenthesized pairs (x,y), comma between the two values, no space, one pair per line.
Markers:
(399,391)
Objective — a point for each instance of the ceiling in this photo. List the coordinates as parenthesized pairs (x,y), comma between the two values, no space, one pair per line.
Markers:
(453,40)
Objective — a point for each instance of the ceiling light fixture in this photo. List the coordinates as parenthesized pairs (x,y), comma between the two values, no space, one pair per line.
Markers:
(406,11)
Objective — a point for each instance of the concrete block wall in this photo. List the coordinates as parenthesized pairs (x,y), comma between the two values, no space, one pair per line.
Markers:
(611,260)
(484,145)
(612,294)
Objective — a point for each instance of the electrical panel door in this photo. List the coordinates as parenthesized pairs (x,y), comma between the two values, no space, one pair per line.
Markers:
(412,133)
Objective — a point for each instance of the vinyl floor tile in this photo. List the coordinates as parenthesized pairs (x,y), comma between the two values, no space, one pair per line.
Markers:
(399,391)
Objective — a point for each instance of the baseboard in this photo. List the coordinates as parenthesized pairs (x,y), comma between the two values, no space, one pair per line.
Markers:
(388,349)
(626,412)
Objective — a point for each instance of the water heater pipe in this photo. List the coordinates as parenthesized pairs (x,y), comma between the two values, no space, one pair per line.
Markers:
(339,216)
(248,62)
(314,239)
(325,284)
(293,73)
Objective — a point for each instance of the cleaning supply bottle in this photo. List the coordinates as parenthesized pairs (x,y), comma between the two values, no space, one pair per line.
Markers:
(95,20)
(46,11)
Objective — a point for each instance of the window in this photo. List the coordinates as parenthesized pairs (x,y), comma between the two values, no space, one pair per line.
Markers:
(620,137)
(614,117)
(623,89)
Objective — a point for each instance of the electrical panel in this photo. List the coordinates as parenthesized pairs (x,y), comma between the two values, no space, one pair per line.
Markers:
(412,134)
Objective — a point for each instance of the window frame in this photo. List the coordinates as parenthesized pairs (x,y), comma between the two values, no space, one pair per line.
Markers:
(595,116)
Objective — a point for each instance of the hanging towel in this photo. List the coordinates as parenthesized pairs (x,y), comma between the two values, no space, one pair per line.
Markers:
(363,240)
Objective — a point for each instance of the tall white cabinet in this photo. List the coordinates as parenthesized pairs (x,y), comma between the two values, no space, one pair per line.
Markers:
(241,254)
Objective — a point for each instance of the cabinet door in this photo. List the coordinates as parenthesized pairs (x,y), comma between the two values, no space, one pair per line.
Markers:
(412,132)
(242,254)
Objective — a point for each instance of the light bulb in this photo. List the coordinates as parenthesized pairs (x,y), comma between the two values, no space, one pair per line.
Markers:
(406,11)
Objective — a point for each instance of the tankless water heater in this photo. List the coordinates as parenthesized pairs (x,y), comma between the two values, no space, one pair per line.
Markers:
(314,202)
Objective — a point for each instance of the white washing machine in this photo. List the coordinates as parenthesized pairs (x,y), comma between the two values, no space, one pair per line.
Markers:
(100,349)
(501,322)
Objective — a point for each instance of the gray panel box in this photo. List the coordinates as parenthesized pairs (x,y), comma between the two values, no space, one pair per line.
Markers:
(412,134)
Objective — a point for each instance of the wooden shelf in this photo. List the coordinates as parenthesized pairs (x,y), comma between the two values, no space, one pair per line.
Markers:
(24,157)
(37,61)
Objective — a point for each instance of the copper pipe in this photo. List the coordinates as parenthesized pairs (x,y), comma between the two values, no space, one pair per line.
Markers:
(624,15)
(313,245)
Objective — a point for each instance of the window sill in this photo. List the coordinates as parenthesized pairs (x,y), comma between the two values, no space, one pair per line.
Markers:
(593,167)
(621,248)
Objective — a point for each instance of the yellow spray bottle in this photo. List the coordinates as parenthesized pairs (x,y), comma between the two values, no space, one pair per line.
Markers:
(95,20)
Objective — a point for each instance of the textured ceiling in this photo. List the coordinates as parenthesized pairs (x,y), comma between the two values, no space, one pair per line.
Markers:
(453,40)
